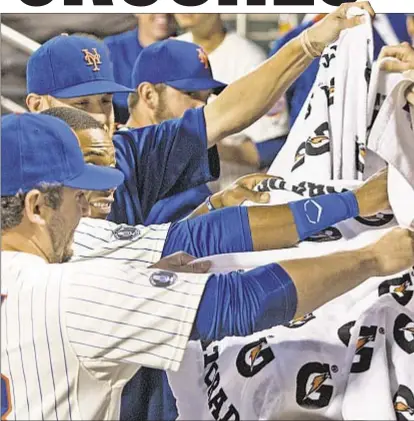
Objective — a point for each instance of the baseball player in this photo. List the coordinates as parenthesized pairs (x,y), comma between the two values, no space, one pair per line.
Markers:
(74,334)
(76,71)
(125,47)
(169,78)
(147,394)
(212,233)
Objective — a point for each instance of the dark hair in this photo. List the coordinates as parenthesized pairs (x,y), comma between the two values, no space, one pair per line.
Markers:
(12,207)
(76,119)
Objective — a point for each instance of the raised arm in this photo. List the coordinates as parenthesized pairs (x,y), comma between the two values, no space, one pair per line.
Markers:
(250,97)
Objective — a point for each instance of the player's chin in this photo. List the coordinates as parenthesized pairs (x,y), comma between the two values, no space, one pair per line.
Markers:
(100,212)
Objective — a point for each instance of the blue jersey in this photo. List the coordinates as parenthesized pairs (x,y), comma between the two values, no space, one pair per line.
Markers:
(124,49)
(177,207)
(161,161)
(298,92)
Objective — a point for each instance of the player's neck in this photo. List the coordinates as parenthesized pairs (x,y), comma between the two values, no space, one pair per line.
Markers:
(139,118)
(146,38)
(209,39)
(15,241)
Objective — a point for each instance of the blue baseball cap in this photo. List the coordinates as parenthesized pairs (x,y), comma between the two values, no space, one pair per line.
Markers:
(37,148)
(179,64)
(69,66)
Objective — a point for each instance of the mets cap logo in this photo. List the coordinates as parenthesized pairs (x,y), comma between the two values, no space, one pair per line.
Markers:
(202,56)
(92,58)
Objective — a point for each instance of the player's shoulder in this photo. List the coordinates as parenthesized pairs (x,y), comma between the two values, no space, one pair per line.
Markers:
(116,40)
(192,115)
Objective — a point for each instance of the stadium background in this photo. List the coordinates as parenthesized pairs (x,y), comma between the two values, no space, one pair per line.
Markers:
(263,29)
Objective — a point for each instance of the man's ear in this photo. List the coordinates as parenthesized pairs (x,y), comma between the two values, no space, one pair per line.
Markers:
(33,204)
(36,103)
(147,93)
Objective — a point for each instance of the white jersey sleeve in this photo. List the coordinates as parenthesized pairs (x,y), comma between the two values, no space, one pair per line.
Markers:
(129,315)
(107,241)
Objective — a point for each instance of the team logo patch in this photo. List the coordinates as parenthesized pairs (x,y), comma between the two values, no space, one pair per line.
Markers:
(404,404)
(126,232)
(92,58)
(314,387)
(202,56)
(313,211)
(162,279)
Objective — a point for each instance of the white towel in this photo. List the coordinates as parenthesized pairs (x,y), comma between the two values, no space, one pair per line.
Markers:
(329,133)
(392,138)
(350,359)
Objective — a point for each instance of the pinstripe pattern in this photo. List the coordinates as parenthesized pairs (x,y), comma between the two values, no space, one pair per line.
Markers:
(74,334)
(94,238)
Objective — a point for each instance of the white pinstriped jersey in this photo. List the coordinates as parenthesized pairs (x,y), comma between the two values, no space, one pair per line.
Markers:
(73,334)
(109,242)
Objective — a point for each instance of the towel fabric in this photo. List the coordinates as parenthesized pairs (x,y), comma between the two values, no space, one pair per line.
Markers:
(327,141)
(392,138)
(349,359)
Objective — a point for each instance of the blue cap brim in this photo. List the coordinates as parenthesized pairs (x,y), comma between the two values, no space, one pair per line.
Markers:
(95,177)
(95,87)
(192,85)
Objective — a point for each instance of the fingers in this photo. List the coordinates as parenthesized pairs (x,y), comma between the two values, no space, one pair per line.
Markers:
(182,258)
(365,5)
(400,57)
(354,21)
(252,180)
(256,197)
(197,267)
(395,66)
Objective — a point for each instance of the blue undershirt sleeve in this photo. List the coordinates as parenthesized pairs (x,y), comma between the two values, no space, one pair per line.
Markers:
(239,304)
(222,231)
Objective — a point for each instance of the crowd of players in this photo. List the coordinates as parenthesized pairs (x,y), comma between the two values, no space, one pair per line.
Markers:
(172,116)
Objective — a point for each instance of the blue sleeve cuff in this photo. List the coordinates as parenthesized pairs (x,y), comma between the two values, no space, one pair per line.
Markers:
(318,213)
(222,231)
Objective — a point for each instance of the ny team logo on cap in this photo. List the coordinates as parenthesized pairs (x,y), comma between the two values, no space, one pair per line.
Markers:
(202,56)
(92,59)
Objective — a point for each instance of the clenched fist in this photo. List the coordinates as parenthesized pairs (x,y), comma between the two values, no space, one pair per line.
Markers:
(393,252)
(328,29)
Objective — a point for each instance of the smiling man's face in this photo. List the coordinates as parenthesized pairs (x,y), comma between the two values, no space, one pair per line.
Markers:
(98,149)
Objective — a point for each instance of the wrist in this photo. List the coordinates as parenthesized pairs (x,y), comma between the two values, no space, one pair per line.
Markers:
(214,202)
(369,262)
(316,46)
(307,46)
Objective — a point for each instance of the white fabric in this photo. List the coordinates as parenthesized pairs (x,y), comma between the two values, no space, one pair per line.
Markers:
(73,334)
(355,363)
(327,140)
(100,239)
(392,138)
(233,58)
